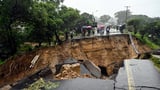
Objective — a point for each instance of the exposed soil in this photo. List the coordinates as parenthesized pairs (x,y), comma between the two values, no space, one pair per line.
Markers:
(107,53)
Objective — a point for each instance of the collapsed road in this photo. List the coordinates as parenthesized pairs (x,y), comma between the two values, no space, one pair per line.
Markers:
(134,75)
(106,53)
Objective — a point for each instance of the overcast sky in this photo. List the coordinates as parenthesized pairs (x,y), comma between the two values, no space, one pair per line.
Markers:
(150,8)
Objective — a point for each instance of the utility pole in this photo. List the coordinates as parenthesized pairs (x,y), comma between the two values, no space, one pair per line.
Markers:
(127,9)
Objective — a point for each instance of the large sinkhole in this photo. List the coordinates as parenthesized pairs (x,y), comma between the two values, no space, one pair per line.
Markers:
(72,68)
(103,70)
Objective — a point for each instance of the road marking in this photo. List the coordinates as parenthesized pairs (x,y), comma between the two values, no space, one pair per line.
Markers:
(131,83)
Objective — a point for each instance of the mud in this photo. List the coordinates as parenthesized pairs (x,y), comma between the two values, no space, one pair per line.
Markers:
(105,52)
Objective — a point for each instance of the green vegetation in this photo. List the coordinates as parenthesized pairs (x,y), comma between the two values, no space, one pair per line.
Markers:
(1,62)
(41,84)
(105,18)
(156,62)
(24,48)
(121,16)
(38,22)
(146,29)
(50,22)
(146,41)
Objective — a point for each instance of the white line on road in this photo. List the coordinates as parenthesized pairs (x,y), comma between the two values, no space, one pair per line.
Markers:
(131,83)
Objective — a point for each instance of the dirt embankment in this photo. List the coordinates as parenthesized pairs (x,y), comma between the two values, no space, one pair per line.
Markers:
(102,51)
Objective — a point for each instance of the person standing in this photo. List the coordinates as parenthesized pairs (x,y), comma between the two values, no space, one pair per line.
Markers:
(71,35)
(107,29)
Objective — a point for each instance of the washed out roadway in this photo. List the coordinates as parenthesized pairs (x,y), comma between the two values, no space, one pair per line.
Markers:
(135,75)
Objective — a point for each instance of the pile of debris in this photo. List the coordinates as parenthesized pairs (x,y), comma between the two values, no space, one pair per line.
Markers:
(73,69)
(69,71)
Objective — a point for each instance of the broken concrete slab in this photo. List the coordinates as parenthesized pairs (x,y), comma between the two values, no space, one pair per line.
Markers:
(70,60)
(95,70)
(84,70)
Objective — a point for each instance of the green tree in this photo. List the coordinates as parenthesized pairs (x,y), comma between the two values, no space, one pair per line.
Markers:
(10,12)
(39,20)
(122,16)
(105,18)
(142,17)
(153,30)
(135,23)
(46,21)
(70,18)
(87,19)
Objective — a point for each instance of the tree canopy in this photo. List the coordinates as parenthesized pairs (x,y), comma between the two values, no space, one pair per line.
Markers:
(104,18)
(146,26)
(122,16)
(33,21)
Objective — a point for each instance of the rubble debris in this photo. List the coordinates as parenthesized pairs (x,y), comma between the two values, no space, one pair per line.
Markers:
(85,69)
(34,61)
(68,61)
(69,71)
(7,87)
(44,73)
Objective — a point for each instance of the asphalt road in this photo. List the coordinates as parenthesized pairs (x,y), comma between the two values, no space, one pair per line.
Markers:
(112,32)
(138,75)
(135,75)
(85,84)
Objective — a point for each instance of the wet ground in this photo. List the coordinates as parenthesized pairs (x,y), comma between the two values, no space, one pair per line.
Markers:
(86,84)
(97,50)
(138,75)
(135,75)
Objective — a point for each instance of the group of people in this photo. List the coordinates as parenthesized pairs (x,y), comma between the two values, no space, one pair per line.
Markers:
(89,30)
(102,29)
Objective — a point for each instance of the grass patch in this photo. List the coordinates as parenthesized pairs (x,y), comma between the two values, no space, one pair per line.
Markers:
(146,41)
(2,62)
(156,62)
(43,85)
(25,48)
(151,44)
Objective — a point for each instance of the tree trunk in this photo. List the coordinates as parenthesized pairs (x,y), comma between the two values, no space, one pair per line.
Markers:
(57,38)
(49,41)
(135,30)
(66,36)
(39,44)
(11,39)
